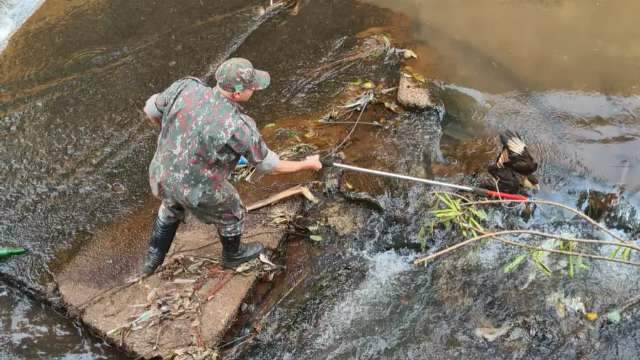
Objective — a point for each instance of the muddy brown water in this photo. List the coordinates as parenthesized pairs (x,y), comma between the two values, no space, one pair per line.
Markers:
(564,73)
(499,46)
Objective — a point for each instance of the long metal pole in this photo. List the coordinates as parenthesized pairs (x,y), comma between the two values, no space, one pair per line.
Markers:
(403,177)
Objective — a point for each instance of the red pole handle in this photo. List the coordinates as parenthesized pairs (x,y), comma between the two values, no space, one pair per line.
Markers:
(507,196)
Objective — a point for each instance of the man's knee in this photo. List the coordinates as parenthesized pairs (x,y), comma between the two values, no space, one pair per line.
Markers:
(171,212)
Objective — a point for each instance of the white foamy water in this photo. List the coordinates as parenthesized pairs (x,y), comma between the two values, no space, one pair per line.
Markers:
(13,13)
(372,298)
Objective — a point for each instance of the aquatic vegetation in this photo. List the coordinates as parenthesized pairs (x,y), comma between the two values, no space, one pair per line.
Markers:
(449,212)
(460,214)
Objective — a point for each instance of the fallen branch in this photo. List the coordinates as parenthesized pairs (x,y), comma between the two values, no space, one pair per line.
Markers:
(531,232)
(566,238)
(455,247)
(570,253)
(552,203)
(631,302)
(283,195)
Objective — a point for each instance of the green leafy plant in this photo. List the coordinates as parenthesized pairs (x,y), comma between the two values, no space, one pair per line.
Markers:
(449,211)
(574,263)
(515,263)
(621,252)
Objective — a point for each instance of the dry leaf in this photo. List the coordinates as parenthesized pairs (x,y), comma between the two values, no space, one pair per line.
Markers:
(368,85)
(409,54)
(591,316)
(263,258)
(392,106)
(184,281)
(153,295)
(245,267)
(310,134)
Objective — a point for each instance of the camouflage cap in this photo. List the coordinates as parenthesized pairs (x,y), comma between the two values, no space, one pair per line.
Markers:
(238,74)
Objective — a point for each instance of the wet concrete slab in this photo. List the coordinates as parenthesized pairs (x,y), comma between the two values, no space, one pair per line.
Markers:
(190,302)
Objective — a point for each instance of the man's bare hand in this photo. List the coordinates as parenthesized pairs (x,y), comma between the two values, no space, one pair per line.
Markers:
(154,120)
(313,162)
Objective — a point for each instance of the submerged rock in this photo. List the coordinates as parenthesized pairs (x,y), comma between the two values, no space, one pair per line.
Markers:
(363,198)
(414,94)
(491,333)
(612,208)
(596,204)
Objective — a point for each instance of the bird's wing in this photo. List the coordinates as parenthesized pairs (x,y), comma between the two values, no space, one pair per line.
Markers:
(503,158)
(516,145)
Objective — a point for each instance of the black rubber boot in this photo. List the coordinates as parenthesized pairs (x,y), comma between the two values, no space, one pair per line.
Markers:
(235,253)
(161,238)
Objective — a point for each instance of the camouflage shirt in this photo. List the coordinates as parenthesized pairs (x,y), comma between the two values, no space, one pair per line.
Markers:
(201,139)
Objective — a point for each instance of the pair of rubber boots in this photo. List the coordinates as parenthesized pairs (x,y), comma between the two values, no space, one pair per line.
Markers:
(234,252)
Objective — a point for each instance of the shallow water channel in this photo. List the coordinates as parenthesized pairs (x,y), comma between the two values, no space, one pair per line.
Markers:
(563,73)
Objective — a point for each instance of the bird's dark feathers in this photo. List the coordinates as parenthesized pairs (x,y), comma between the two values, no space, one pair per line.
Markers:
(505,180)
(515,154)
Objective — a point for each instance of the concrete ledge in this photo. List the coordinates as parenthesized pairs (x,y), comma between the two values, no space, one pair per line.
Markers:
(191,301)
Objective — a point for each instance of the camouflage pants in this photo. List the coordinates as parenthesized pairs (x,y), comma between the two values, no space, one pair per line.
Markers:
(224,209)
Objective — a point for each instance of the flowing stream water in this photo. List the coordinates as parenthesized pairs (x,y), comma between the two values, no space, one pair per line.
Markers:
(564,73)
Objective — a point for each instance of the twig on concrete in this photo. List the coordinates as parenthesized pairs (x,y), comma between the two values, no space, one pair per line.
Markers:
(160,328)
(102,294)
(227,275)
(248,337)
(248,236)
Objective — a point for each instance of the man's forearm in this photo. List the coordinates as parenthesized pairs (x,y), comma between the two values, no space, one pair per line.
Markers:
(286,166)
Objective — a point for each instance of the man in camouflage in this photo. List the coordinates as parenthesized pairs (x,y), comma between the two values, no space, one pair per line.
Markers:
(203,134)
